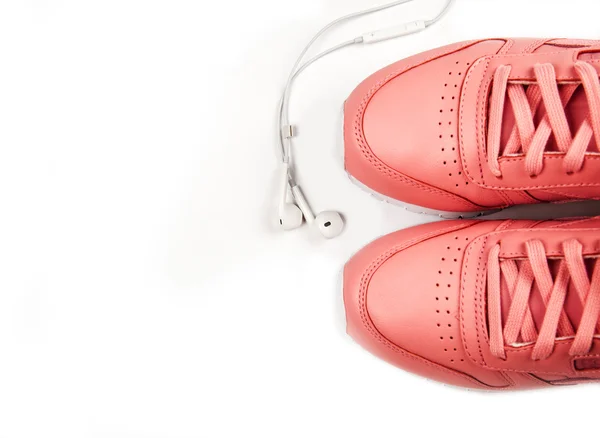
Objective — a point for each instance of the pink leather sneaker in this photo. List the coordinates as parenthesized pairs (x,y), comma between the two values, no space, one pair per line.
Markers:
(482,304)
(480,125)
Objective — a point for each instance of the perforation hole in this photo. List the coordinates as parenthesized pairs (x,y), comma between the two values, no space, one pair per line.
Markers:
(445,318)
(447,135)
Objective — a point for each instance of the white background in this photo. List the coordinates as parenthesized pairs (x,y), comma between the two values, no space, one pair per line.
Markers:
(144,290)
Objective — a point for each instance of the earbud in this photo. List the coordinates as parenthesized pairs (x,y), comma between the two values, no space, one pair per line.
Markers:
(290,216)
(329,223)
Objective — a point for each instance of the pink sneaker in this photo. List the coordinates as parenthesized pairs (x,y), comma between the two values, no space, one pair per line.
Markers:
(480,125)
(482,304)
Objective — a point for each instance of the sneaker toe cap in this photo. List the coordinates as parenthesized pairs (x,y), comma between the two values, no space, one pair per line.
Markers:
(401,128)
(402,303)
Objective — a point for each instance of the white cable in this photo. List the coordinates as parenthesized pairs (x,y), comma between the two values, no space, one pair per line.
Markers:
(371,37)
(283,117)
(440,15)
(285,100)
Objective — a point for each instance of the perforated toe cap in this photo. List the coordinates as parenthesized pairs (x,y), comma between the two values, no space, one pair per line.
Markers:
(402,302)
(402,128)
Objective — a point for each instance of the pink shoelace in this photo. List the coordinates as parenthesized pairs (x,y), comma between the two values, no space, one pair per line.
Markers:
(518,278)
(525,138)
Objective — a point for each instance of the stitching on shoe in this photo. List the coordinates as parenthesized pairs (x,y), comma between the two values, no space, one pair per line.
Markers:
(569,195)
(368,324)
(462,307)
(506,47)
(535,45)
(481,115)
(581,221)
(462,130)
(480,325)
(372,158)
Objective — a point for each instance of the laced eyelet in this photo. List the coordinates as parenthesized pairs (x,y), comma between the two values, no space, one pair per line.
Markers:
(555,95)
(537,265)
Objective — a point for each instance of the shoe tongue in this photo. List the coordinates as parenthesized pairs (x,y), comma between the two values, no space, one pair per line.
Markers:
(577,111)
(573,306)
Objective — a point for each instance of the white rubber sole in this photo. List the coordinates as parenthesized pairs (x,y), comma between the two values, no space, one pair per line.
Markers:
(418,209)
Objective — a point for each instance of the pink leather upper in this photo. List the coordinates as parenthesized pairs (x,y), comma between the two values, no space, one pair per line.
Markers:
(416,130)
(417,298)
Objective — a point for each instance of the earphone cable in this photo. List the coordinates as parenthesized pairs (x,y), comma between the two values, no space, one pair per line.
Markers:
(286,130)
(283,113)
(441,14)
(283,118)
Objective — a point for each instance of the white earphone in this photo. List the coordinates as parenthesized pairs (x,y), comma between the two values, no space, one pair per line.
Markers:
(330,224)
(290,215)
